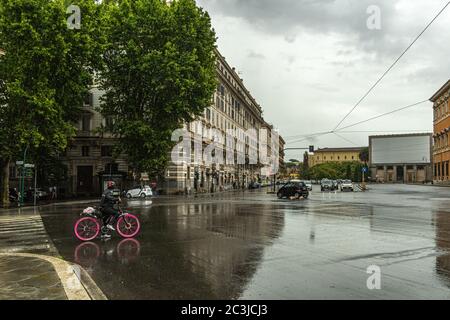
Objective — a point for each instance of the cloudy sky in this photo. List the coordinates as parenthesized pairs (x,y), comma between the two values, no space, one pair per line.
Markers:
(308,62)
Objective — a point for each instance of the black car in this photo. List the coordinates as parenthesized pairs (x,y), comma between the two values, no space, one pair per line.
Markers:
(293,189)
(327,185)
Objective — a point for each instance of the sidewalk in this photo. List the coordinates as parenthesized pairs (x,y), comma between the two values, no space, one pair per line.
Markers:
(30,267)
(26,276)
(30,208)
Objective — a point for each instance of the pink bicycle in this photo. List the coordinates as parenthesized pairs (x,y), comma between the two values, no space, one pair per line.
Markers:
(87,228)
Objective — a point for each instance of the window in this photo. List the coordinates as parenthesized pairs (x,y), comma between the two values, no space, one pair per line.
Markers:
(86,122)
(107,151)
(112,168)
(109,122)
(85,151)
(89,99)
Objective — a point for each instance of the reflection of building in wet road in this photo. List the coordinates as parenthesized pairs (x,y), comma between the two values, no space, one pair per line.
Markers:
(196,250)
(222,243)
(442,224)
(250,245)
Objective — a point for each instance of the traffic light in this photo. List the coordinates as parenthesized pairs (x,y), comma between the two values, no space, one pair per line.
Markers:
(311,149)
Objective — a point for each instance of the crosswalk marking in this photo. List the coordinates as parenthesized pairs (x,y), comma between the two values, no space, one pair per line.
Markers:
(24,234)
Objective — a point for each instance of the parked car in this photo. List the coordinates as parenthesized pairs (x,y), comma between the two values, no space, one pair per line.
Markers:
(293,189)
(309,185)
(327,185)
(40,194)
(139,192)
(347,185)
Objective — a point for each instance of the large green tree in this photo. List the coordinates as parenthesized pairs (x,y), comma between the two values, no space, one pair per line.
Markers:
(338,170)
(159,73)
(45,73)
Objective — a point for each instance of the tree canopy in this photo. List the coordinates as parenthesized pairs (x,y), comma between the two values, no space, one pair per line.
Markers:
(337,170)
(159,73)
(45,73)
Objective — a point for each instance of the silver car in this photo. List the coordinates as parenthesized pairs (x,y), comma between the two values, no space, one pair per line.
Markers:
(347,185)
(309,185)
(139,192)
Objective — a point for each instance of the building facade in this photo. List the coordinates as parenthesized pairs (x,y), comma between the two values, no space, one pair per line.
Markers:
(89,156)
(404,158)
(90,161)
(326,155)
(441,128)
(233,110)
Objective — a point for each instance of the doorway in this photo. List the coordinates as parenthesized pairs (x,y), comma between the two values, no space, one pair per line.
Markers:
(400,174)
(85,177)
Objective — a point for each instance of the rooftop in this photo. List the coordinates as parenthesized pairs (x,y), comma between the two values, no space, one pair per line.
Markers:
(348,149)
(442,90)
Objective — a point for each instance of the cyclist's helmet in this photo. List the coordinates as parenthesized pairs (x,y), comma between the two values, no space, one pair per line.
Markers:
(110,184)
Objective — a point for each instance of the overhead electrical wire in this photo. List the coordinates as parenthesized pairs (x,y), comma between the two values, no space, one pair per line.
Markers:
(391,66)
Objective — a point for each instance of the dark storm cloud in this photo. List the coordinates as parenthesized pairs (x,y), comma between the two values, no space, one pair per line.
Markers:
(325,58)
(290,17)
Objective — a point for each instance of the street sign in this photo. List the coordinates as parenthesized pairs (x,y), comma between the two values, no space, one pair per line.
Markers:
(29,165)
(19,163)
(28,173)
(364,169)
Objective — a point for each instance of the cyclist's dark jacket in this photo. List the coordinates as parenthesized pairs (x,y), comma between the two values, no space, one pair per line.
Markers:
(109,198)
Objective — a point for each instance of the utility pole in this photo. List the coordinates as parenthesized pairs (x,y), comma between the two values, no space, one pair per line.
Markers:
(22,178)
(35,185)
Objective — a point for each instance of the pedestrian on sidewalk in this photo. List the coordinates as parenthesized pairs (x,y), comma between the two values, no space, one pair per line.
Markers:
(54,194)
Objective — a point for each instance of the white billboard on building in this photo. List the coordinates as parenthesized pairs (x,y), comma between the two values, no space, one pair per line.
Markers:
(400,149)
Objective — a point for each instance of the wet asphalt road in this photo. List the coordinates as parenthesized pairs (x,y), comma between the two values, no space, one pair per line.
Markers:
(253,246)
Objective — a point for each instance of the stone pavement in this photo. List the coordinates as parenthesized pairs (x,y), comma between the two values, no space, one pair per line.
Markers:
(27,278)
(30,265)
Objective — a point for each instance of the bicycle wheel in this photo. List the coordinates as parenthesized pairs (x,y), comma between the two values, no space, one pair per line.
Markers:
(87,229)
(128,226)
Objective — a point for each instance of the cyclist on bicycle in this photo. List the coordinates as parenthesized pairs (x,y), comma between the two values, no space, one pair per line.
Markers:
(109,206)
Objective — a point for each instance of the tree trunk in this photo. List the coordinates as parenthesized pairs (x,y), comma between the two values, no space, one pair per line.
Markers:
(4,183)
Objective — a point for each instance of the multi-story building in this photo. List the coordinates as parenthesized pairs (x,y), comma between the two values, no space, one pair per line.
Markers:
(441,128)
(90,162)
(404,158)
(326,155)
(89,157)
(234,110)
